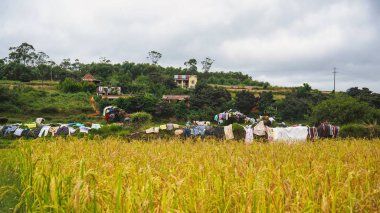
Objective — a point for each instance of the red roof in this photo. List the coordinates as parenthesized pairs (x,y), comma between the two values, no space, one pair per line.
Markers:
(88,77)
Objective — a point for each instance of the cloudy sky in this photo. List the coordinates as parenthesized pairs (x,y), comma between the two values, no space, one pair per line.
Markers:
(284,42)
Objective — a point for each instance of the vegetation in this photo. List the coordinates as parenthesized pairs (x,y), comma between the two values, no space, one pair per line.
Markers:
(24,104)
(211,176)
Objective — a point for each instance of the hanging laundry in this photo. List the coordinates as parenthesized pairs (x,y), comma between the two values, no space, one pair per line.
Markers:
(44,131)
(259,129)
(18,132)
(31,125)
(39,121)
(53,130)
(290,134)
(178,132)
(9,129)
(95,126)
(169,126)
(153,130)
(248,134)
(163,127)
(84,129)
(228,132)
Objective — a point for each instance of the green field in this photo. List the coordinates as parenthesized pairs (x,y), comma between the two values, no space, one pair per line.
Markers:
(80,175)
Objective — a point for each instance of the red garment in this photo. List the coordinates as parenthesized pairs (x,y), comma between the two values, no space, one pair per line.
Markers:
(107,117)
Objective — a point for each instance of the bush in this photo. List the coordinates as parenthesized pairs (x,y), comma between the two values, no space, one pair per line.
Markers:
(238,130)
(359,131)
(49,110)
(141,118)
(72,86)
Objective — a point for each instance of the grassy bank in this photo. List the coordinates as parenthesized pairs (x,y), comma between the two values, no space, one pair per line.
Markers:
(111,175)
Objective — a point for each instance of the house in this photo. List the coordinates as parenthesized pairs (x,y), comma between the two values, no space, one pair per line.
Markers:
(110,93)
(186,81)
(170,98)
(89,78)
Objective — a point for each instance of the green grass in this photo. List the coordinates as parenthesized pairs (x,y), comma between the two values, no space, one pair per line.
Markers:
(55,106)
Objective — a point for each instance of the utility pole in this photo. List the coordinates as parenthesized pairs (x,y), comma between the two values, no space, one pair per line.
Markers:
(335,72)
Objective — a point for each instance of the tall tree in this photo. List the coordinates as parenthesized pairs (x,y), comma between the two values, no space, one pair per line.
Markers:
(22,53)
(65,64)
(104,60)
(42,58)
(154,56)
(76,65)
(206,64)
(191,64)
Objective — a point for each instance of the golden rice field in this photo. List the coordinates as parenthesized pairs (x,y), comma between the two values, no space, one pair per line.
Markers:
(111,175)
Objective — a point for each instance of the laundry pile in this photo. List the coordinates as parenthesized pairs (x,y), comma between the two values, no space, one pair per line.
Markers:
(39,129)
(230,114)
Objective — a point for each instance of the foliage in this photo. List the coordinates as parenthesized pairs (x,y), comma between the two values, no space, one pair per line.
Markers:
(298,104)
(70,85)
(209,101)
(359,131)
(266,103)
(141,118)
(342,109)
(140,102)
(165,109)
(245,101)
(154,56)
(365,95)
(206,64)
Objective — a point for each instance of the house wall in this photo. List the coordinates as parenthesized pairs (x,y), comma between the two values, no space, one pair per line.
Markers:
(192,81)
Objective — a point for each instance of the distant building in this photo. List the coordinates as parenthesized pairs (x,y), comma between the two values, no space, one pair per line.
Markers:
(110,93)
(170,98)
(186,81)
(88,77)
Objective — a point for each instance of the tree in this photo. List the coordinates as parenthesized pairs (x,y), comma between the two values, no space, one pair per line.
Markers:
(76,65)
(207,100)
(104,60)
(206,64)
(42,58)
(245,101)
(154,56)
(23,53)
(66,64)
(191,64)
(342,109)
(365,95)
(266,101)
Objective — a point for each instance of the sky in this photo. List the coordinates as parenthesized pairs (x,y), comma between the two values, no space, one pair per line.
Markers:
(283,42)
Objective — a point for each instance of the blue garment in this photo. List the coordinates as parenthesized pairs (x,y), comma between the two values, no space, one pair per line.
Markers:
(186,132)
(216,118)
(10,129)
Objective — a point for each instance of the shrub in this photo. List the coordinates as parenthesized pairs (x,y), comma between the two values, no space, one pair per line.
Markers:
(239,132)
(141,118)
(359,131)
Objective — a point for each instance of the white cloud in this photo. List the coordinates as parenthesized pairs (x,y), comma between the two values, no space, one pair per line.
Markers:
(283,42)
